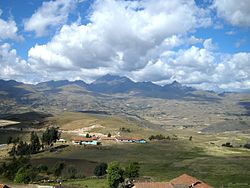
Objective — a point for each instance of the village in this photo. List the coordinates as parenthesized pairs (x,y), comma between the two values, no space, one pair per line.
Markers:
(93,140)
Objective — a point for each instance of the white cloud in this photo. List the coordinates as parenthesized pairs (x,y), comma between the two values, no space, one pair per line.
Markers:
(50,14)
(208,44)
(12,66)
(8,29)
(123,39)
(193,40)
(199,67)
(235,12)
(140,39)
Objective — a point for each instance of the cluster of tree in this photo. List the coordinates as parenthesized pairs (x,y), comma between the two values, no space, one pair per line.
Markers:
(88,136)
(116,174)
(123,129)
(23,148)
(158,137)
(50,136)
(19,170)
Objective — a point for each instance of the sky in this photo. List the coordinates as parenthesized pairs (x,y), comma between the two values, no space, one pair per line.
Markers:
(200,43)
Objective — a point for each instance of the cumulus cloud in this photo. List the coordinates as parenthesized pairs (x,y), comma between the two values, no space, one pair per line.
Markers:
(121,40)
(235,12)
(199,67)
(12,66)
(8,29)
(144,40)
(50,14)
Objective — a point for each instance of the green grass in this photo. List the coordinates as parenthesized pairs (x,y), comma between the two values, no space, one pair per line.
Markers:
(88,183)
(166,160)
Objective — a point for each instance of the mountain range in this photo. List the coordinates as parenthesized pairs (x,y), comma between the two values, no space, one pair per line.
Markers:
(78,94)
(108,84)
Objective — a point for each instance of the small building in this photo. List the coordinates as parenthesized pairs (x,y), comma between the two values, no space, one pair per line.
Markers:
(131,140)
(61,140)
(141,141)
(189,181)
(4,186)
(108,138)
(85,141)
(153,185)
(183,181)
(125,140)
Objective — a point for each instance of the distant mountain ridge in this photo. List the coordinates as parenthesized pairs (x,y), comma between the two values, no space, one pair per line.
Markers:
(107,84)
(100,94)
(78,95)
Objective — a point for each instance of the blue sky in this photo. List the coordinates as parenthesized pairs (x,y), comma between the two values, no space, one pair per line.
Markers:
(202,43)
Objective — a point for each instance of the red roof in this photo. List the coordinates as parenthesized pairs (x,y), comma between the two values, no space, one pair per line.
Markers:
(121,138)
(4,186)
(185,179)
(153,185)
(83,139)
(107,138)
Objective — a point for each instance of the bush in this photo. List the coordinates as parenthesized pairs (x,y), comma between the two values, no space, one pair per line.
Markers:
(132,170)
(25,175)
(10,169)
(115,174)
(101,169)
(157,137)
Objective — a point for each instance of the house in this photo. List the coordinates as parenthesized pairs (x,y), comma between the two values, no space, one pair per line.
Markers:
(124,140)
(85,141)
(4,186)
(141,141)
(183,181)
(130,140)
(108,138)
(153,185)
(61,140)
(189,181)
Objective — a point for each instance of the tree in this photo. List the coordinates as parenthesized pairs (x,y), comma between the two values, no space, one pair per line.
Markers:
(10,169)
(58,168)
(115,174)
(23,149)
(87,135)
(35,145)
(50,135)
(132,170)
(101,169)
(25,175)
(109,134)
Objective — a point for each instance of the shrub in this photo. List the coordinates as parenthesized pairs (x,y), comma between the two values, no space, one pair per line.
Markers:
(115,174)
(101,169)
